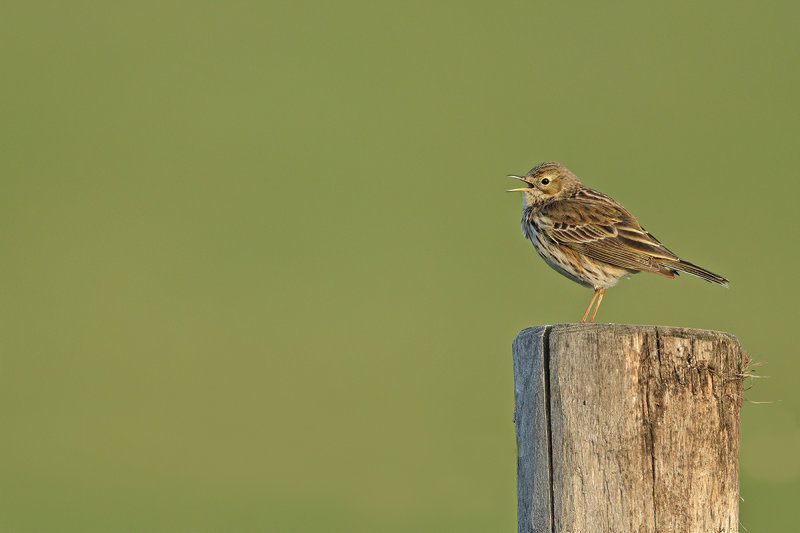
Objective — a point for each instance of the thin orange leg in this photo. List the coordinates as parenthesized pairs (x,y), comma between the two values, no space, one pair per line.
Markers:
(602,292)
(590,306)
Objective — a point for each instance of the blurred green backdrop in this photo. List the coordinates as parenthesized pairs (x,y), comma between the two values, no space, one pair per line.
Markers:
(259,272)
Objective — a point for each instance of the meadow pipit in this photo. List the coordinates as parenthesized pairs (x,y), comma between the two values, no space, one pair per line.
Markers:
(589,237)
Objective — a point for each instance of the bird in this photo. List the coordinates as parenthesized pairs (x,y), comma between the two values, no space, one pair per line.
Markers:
(589,237)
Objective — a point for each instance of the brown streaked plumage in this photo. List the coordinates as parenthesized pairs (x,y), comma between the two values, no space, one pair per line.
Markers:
(589,237)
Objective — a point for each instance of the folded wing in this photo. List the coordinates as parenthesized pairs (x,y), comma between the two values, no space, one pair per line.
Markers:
(597,226)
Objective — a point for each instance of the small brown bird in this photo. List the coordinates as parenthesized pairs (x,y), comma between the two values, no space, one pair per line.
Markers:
(588,236)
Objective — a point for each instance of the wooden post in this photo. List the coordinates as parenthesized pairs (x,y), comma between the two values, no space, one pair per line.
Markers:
(627,429)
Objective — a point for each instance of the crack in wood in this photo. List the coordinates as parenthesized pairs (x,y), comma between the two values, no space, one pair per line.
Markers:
(549,420)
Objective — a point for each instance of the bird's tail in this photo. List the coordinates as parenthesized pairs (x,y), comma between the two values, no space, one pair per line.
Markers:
(689,268)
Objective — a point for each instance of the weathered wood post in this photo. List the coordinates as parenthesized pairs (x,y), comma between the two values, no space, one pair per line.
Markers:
(627,429)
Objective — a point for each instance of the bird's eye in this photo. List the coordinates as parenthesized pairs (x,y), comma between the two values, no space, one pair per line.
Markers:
(545,181)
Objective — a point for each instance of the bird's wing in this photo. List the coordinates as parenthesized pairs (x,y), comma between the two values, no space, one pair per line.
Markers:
(597,226)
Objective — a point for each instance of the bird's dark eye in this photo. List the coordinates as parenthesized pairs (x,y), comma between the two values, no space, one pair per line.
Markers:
(545,181)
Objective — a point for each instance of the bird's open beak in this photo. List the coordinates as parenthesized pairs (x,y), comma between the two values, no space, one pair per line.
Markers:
(521,188)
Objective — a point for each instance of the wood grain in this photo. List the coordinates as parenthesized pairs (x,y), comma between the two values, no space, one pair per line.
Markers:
(627,428)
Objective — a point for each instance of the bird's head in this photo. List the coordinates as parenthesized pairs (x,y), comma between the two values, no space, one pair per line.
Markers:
(546,182)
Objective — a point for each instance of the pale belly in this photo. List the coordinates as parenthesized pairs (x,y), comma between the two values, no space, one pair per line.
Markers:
(578,268)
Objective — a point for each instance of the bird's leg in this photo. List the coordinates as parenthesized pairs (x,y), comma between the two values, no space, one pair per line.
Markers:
(602,292)
(590,306)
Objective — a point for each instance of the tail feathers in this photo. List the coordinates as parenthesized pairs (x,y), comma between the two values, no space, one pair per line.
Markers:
(689,268)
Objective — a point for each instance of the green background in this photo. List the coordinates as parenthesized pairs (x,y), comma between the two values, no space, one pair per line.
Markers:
(259,271)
